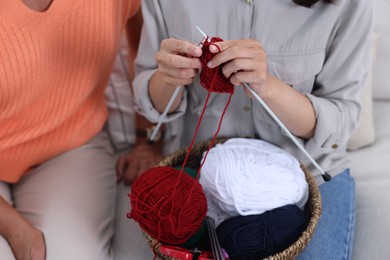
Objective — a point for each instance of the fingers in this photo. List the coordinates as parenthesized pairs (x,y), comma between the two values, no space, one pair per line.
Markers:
(181,47)
(130,175)
(245,70)
(135,170)
(178,61)
(126,169)
(238,65)
(224,45)
(172,81)
(177,76)
(243,61)
(121,166)
(237,49)
(255,80)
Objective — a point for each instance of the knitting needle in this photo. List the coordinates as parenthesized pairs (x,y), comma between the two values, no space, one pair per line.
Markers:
(203,34)
(163,115)
(215,246)
(326,176)
(170,102)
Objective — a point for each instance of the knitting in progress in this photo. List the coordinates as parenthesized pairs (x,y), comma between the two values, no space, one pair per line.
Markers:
(168,204)
(240,178)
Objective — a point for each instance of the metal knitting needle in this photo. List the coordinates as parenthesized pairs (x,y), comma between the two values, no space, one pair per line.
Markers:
(170,102)
(163,115)
(215,246)
(326,176)
(203,34)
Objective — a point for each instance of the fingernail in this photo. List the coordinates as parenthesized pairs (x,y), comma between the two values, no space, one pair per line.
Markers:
(197,52)
(209,64)
(213,48)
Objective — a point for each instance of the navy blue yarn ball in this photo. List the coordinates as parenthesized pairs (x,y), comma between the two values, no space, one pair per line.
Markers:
(260,236)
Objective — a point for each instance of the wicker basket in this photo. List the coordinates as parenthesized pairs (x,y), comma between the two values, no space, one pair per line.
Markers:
(313,206)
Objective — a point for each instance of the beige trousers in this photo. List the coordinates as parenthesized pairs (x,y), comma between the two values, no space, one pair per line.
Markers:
(129,243)
(71,199)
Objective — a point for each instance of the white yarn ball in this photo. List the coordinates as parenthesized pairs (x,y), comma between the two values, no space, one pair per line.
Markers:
(248,177)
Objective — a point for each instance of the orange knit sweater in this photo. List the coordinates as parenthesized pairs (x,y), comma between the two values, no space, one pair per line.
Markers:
(54,67)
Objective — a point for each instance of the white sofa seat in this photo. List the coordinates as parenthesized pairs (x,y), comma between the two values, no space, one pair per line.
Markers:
(371,170)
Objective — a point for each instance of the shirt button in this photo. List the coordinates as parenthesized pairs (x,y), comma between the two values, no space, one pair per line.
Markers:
(246,108)
(335,146)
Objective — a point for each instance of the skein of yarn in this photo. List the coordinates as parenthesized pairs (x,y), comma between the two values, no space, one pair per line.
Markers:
(168,205)
(259,236)
(250,176)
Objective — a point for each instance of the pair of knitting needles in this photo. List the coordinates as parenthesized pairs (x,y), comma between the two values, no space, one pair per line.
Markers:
(215,246)
(325,175)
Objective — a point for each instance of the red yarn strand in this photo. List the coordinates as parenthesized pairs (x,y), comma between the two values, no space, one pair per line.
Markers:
(222,86)
(215,135)
(196,132)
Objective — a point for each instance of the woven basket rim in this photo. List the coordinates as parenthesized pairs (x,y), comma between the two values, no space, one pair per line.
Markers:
(314,202)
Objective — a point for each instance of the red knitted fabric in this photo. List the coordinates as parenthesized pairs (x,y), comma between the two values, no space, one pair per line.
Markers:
(213,79)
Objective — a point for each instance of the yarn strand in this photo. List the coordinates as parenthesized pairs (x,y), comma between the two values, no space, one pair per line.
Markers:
(215,136)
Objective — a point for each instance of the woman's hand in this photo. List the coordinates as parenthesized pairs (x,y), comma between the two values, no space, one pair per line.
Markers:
(244,61)
(178,62)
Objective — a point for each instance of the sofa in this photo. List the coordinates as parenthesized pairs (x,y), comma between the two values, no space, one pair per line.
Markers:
(371,158)
(369,150)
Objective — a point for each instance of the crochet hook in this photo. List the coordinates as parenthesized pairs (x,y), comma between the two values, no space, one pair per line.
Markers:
(326,176)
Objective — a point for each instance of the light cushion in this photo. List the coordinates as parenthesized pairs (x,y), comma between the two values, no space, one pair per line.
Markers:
(382,63)
(371,169)
(364,134)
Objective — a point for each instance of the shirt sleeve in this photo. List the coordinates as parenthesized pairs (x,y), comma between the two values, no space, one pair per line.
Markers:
(338,85)
(153,32)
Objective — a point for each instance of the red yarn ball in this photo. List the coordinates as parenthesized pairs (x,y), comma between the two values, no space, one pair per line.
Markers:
(170,215)
(212,78)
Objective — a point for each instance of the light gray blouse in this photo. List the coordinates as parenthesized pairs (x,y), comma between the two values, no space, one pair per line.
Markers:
(323,52)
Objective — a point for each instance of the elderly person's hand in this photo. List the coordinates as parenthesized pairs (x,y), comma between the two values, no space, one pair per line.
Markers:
(133,164)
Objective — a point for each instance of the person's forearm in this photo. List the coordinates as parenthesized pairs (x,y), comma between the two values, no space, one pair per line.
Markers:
(26,241)
(160,93)
(291,107)
(10,219)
